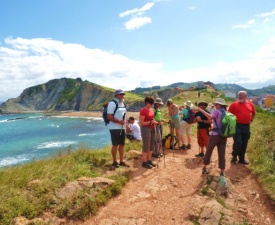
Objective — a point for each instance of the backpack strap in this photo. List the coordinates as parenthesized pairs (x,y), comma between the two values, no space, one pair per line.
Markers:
(223,112)
(116,106)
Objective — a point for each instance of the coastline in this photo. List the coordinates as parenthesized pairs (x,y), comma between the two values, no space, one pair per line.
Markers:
(97,114)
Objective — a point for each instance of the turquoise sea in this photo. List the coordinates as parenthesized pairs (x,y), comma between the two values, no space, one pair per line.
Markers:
(26,137)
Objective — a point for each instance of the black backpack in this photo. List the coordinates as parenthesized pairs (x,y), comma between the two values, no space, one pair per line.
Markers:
(104,113)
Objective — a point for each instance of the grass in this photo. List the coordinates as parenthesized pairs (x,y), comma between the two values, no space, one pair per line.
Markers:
(29,190)
(261,150)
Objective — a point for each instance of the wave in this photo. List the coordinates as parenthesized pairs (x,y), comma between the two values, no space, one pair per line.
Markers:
(8,161)
(58,144)
(89,134)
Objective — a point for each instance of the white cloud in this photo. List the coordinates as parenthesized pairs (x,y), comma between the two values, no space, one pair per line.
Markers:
(137,22)
(28,62)
(267,14)
(244,26)
(137,19)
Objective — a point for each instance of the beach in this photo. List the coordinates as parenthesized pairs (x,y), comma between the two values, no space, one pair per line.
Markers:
(97,114)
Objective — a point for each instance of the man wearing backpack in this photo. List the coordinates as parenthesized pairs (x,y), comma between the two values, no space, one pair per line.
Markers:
(116,112)
(245,113)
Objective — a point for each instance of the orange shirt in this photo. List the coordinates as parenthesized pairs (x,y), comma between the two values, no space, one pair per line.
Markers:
(242,111)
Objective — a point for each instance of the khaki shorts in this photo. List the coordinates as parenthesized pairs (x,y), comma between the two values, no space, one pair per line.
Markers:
(175,123)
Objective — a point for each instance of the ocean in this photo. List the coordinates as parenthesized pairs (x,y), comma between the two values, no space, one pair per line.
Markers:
(27,137)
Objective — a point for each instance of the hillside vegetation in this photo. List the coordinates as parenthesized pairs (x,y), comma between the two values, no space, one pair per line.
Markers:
(29,190)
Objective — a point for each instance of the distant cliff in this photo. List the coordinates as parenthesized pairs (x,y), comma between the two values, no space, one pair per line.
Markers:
(59,95)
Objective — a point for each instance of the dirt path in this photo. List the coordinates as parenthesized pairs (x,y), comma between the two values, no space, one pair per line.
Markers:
(169,193)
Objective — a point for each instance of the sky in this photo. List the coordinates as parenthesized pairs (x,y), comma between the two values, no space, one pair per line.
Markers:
(124,44)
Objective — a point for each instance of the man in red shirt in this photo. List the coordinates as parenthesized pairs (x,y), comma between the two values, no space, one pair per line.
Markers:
(245,113)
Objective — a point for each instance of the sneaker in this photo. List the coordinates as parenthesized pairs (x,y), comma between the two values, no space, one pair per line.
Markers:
(157,155)
(183,147)
(204,171)
(200,155)
(188,146)
(151,163)
(147,165)
(244,162)
(234,160)
(115,164)
(123,164)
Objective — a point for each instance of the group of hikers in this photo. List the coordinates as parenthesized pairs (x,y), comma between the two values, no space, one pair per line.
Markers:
(181,118)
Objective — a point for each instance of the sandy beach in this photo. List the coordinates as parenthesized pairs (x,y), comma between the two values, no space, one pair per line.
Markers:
(91,114)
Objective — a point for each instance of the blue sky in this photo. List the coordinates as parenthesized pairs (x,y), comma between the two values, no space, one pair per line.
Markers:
(128,44)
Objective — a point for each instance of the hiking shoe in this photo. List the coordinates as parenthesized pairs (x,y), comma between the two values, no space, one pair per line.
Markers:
(188,146)
(183,147)
(204,171)
(234,160)
(244,162)
(124,164)
(200,155)
(157,155)
(150,162)
(115,164)
(147,165)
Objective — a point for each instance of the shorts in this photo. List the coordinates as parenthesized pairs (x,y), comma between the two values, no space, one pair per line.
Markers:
(203,136)
(185,128)
(175,123)
(117,137)
(148,138)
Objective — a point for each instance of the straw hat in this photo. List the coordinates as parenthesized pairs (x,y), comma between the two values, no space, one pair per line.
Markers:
(189,104)
(158,101)
(220,101)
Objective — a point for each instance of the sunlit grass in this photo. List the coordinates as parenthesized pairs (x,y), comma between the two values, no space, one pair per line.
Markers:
(261,150)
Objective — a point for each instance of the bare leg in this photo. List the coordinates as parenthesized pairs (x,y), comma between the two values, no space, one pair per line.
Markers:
(114,151)
(121,153)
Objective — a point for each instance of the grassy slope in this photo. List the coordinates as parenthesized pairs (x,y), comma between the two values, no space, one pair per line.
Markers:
(28,190)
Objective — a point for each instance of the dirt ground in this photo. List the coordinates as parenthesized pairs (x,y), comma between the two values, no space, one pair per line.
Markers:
(165,194)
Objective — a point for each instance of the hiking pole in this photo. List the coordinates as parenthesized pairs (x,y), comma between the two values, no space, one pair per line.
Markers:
(164,165)
(122,125)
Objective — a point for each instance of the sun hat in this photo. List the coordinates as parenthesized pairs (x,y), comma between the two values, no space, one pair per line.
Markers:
(220,101)
(203,103)
(118,92)
(189,104)
(158,101)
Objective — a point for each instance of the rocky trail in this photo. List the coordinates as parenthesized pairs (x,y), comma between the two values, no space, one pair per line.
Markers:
(171,194)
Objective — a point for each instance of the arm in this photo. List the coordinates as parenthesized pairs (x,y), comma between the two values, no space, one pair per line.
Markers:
(209,117)
(114,120)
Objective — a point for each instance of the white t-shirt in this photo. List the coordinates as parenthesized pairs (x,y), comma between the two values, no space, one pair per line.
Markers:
(135,128)
(121,111)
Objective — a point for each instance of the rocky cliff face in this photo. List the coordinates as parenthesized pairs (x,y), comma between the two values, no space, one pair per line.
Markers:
(71,94)
(59,94)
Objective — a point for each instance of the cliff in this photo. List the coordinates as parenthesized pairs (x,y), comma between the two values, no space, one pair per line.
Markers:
(59,95)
